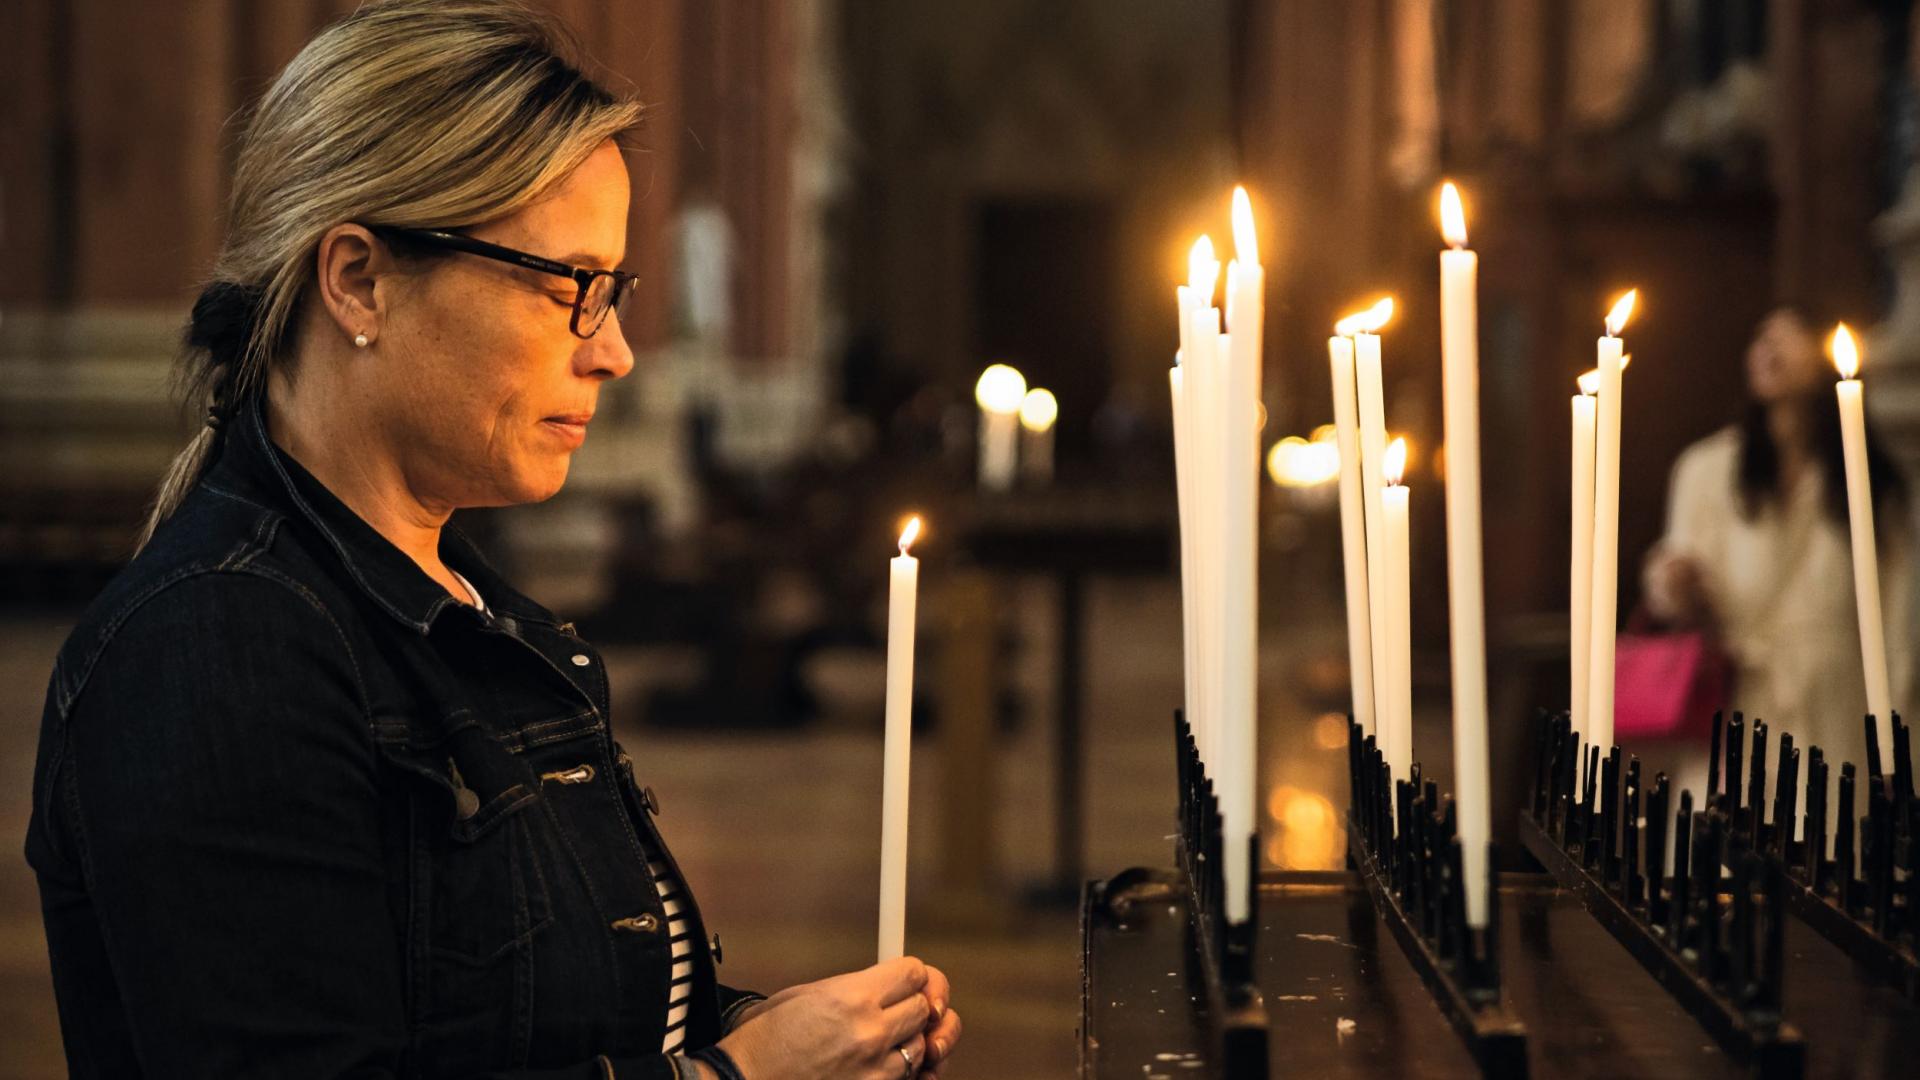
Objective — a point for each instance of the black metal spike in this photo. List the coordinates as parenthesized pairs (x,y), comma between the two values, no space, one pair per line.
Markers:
(1873,748)
(1610,818)
(1657,851)
(1630,836)
(1682,871)
(1786,799)
(1713,756)
(1843,841)
(1756,823)
(1735,746)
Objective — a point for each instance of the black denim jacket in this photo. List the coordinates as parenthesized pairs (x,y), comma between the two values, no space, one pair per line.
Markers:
(299,813)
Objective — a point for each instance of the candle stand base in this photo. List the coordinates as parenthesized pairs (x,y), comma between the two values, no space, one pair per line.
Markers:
(1726,968)
(1405,849)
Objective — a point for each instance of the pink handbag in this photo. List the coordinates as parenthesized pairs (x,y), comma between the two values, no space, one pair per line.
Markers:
(1666,685)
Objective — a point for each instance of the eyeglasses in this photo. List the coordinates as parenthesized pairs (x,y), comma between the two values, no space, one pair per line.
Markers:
(600,291)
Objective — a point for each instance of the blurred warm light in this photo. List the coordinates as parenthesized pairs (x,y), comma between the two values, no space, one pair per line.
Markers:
(1293,462)
(909,533)
(1001,389)
(1366,322)
(1393,464)
(1324,433)
(1845,351)
(1589,382)
(1453,217)
(1308,837)
(1246,247)
(1622,311)
(1038,410)
(1203,270)
(1330,731)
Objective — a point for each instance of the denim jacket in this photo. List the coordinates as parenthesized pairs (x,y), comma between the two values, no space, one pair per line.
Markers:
(299,813)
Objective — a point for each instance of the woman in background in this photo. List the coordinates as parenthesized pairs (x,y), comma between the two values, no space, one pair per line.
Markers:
(1757,550)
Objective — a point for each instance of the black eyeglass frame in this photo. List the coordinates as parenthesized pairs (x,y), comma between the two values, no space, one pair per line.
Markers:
(582,277)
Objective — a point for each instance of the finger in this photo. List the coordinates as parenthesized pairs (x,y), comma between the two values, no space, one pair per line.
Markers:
(938,991)
(941,1040)
(904,1020)
(899,979)
(891,1066)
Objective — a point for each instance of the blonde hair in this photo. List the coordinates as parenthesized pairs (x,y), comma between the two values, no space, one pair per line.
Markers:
(411,113)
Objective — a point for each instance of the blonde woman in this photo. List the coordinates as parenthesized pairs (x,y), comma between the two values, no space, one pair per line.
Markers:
(319,794)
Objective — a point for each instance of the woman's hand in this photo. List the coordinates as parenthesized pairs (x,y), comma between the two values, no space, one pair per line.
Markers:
(1675,590)
(851,1025)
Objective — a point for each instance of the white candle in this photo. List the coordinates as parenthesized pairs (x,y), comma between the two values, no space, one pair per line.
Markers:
(1580,569)
(1240,431)
(999,393)
(1606,530)
(1866,557)
(1466,597)
(1038,411)
(1189,607)
(1373,443)
(1202,365)
(1353,540)
(903,589)
(1398,589)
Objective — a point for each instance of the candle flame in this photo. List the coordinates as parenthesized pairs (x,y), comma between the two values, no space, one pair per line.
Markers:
(1845,350)
(1038,410)
(1366,322)
(1246,246)
(1393,464)
(1453,217)
(1590,382)
(1621,312)
(909,534)
(1203,270)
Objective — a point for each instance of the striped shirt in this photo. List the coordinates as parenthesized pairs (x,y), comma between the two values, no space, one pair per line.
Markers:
(680,933)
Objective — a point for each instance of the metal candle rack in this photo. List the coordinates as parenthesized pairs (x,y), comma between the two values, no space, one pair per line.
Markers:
(1868,905)
(1715,941)
(1225,947)
(1402,839)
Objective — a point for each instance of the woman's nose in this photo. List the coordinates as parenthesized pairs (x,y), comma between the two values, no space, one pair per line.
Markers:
(607,352)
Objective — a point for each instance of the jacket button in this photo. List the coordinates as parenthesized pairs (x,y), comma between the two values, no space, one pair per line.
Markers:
(643,923)
(716,948)
(465,803)
(652,804)
(580,659)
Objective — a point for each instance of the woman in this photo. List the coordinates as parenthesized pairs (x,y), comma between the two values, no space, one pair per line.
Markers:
(318,793)
(1757,548)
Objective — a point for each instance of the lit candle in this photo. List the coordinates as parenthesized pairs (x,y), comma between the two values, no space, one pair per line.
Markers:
(1038,411)
(1580,569)
(903,589)
(1353,539)
(1398,589)
(1240,437)
(1606,529)
(1203,389)
(999,393)
(1866,557)
(1466,599)
(1373,443)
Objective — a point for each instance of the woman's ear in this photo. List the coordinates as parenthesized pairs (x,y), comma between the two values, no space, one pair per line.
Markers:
(352,271)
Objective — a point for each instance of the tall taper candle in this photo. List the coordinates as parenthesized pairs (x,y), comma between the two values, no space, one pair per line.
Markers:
(1866,555)
(1241,428)
(1353,538)
(1580,568)
(1398,589)
(903,588)
(1606,530)
(1373,443)
(1466,597)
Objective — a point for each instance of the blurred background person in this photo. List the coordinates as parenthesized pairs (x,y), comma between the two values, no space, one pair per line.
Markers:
(1757,552)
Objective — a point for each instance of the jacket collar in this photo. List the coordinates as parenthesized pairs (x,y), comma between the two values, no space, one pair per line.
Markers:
(249,459)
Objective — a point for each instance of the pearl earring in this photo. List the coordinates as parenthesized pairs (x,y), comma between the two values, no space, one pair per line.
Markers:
(360,341)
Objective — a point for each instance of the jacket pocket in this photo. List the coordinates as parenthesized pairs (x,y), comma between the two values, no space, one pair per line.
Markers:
(488,890)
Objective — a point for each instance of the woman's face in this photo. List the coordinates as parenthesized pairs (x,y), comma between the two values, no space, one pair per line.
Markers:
(490,390)
(1783,360)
